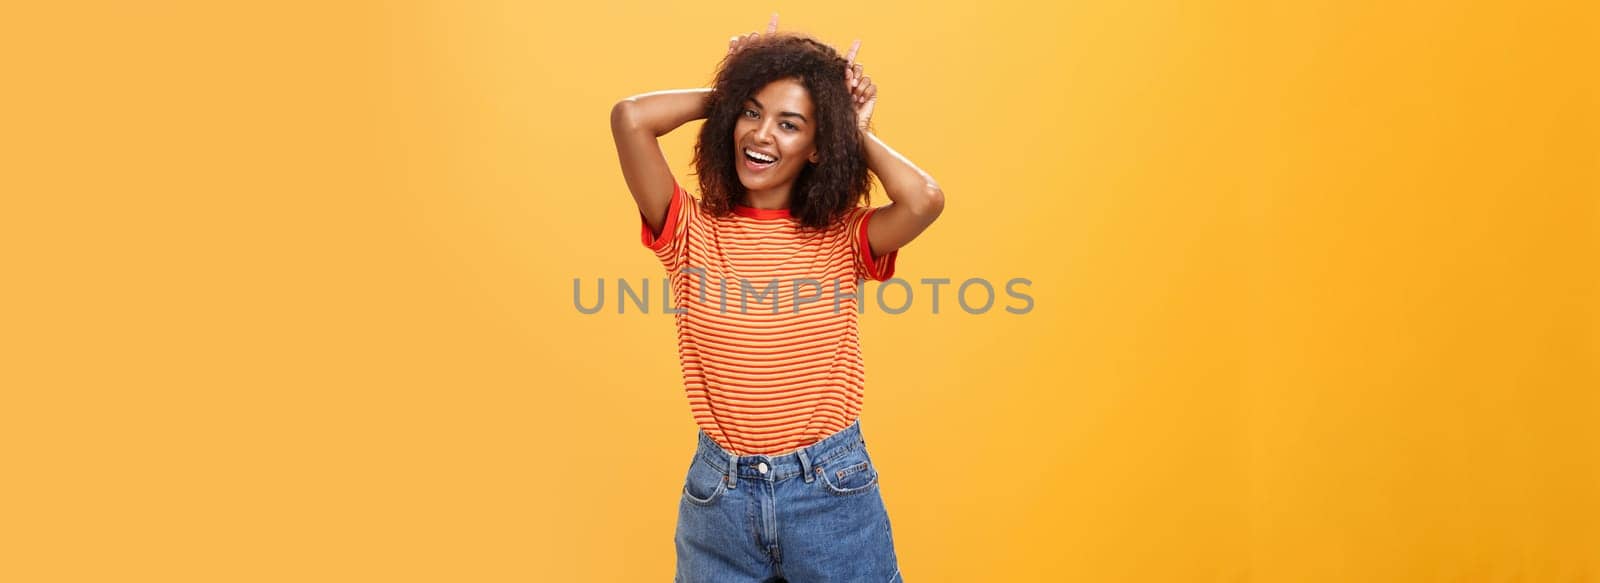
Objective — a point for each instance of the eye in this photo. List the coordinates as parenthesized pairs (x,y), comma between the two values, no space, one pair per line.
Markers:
(789,125)
(750,113)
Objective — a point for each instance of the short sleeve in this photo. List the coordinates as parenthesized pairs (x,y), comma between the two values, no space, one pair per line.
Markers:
(669,245)
(867,266)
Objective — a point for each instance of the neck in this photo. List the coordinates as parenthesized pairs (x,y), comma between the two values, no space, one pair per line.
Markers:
(775,198)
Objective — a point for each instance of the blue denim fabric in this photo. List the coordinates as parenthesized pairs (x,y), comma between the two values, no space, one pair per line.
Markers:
(813,515)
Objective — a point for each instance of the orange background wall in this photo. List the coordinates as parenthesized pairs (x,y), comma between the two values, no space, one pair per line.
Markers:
(289,290)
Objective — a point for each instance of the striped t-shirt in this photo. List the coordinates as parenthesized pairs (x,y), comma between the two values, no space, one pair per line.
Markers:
(767,321)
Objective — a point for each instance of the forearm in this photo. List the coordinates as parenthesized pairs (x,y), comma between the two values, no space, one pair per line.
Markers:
(660,112)
(904,182)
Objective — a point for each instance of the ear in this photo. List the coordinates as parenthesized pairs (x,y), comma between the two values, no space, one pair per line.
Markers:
(814,159)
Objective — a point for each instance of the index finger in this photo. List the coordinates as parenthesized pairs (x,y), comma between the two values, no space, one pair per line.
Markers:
(850,58)
(772,25)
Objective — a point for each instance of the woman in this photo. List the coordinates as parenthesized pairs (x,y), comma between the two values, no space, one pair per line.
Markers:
(765,270)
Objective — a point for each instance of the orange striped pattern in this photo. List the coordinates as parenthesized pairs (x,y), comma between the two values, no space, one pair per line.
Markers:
(761,382)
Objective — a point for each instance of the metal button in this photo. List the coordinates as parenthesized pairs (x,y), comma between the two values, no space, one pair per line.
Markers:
(761,467)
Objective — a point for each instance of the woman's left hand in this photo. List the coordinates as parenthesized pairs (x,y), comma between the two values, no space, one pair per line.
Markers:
(863,93)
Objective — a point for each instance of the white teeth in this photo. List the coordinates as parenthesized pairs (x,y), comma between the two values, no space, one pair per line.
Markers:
(759,155)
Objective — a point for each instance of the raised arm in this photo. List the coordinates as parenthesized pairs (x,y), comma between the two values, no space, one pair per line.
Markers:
(636,123)
(915,198)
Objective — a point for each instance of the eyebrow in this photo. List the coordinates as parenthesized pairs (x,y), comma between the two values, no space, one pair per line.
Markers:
(780,114)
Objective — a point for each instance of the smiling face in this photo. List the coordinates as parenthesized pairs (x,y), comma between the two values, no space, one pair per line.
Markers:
(775,137)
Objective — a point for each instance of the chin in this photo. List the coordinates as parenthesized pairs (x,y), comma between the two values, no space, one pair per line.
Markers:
(748,185)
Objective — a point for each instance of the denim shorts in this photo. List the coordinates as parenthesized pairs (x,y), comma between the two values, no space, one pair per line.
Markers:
(811,515)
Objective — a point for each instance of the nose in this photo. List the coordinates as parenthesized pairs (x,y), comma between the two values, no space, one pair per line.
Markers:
(764,132)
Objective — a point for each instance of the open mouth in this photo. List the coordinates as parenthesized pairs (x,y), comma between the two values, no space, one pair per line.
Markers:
(758,161)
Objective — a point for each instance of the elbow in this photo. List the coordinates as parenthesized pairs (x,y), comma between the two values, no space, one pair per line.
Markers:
(929,202)
(935,199)
(624,118)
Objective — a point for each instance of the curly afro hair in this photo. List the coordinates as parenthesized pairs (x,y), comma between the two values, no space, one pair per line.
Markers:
(823,192)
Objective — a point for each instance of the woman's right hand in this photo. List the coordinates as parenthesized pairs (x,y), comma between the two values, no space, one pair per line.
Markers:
(736,43)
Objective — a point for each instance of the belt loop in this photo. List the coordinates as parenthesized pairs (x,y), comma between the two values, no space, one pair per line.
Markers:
(733,471)
(805,465)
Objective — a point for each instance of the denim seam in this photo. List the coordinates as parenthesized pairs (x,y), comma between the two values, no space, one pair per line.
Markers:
(836,491)
(829,485)
(722,488)
(842,472)
(833,454)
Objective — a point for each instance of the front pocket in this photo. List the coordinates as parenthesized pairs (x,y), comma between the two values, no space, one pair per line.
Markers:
(704,483)
(850,474)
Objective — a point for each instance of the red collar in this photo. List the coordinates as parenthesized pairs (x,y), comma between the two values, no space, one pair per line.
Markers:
(755,213)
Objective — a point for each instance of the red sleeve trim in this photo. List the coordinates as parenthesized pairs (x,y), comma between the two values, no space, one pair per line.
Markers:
(668,228)
(883,267)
